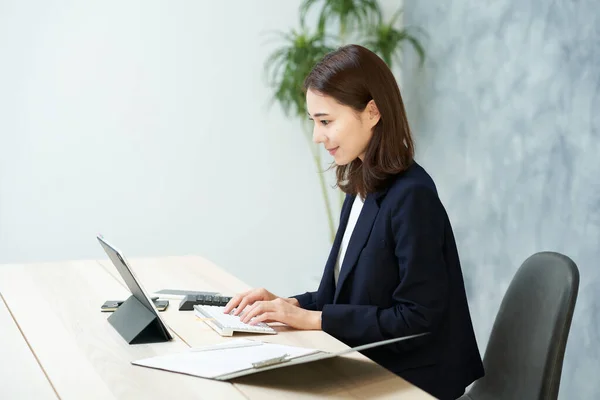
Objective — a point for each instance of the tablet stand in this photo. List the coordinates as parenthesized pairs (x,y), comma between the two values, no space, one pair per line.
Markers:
(136,324)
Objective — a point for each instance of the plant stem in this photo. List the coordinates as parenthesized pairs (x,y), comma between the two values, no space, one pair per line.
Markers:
(317,159)
(325,198)
(342,34)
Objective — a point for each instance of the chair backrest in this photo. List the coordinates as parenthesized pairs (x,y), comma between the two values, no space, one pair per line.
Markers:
(524,355)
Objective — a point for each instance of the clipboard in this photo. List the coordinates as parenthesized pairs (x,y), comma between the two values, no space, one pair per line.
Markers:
(240,357)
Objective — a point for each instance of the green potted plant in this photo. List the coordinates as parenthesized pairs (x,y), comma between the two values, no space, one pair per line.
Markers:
(356,21)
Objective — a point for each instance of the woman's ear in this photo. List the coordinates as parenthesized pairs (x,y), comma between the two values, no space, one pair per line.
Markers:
(372,113)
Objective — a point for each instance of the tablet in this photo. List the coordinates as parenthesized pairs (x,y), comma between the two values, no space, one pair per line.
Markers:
(132,282)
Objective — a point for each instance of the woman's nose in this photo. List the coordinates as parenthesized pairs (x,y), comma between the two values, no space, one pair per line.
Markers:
(317,136)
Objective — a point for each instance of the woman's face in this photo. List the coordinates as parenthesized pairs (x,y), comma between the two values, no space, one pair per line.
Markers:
(344,132)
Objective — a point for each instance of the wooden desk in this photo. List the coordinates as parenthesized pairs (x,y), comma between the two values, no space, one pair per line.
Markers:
(21,376)
(80,355)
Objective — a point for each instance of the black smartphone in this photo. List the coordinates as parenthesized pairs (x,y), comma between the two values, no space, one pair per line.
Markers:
(112,305)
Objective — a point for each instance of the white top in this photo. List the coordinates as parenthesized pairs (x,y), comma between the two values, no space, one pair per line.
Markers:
(354,213)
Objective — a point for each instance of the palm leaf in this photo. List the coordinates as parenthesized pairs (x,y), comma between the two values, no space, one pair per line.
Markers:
(417,46)
(387,40)
(349,14)
(287,67)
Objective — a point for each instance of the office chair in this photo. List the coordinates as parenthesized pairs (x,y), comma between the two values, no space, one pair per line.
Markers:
(524,355)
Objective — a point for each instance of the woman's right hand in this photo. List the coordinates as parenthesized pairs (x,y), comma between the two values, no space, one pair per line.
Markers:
(242,300)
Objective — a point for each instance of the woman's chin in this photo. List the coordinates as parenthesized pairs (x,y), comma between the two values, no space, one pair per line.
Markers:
(340,160)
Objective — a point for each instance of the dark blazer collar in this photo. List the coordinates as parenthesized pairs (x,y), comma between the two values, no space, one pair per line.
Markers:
(359,238)
(328,292)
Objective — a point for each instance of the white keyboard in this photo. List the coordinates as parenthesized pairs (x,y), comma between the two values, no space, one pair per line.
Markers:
(226,324)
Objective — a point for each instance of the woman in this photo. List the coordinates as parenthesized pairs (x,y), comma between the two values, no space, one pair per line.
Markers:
(394,268)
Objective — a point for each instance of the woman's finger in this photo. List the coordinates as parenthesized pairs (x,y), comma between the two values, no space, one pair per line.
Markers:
(249,299)
(269,316)
(251,312)
(244,304)
(257,309)
(234,302)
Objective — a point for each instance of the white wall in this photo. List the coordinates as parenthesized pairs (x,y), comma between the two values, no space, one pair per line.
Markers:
(147,121)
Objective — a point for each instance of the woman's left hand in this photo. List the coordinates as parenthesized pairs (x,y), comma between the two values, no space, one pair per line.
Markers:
(279,310)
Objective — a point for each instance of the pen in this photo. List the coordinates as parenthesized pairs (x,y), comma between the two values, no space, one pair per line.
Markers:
(271,361)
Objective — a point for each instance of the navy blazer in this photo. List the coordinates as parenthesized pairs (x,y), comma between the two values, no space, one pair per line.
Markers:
(401,275)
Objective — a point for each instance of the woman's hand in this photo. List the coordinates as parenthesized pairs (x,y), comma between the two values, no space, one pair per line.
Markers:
(241,301)
(281,310)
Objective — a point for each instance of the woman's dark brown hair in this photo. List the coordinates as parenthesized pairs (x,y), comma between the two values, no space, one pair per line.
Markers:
(354,75)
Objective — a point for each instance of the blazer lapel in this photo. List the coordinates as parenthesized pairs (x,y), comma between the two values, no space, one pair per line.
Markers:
(359,237)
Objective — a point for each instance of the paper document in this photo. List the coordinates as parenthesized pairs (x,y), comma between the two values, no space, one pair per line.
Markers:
(220,360)
(241,357)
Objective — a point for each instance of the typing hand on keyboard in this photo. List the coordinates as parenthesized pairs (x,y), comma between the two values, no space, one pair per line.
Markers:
(260,305)
(239,303)
(225,324)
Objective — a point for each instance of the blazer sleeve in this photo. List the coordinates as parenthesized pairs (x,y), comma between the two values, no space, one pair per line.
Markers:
(307,300)
(417,224)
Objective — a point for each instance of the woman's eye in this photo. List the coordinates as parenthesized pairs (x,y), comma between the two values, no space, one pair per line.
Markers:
(324,122)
